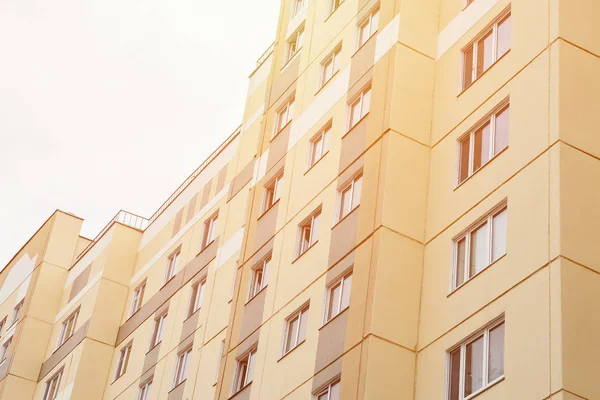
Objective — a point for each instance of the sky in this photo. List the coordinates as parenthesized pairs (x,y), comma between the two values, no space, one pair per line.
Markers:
(111,104)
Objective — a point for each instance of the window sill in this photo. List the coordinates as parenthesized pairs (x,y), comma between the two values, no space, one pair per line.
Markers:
(334,317)
(167,282)
(253,297)
(316,162)
(365,43)
(452,291)
(480,168)
(280,130)
(356,124)
(176,386)
(132,314)
(241,390)
(332,12)
(305,251)
(288,62)
(482,74)
(344,217)
(267,210)
(153,347)
(291,350)
(118,377)
(327,82)
(489,386)
(192,314)
(205,247)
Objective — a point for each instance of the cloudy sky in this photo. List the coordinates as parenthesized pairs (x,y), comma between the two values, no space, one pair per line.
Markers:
(110,104)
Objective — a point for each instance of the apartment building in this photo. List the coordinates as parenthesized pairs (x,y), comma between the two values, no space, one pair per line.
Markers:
(407,211)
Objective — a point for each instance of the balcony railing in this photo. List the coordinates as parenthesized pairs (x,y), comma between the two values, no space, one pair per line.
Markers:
(265,55)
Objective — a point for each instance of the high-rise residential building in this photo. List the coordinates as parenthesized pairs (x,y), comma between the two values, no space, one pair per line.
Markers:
(407,211)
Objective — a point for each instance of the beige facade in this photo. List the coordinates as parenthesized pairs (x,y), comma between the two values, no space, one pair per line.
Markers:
(406,212)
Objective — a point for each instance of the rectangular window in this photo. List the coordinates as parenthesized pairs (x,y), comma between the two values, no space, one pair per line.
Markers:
(368,27)
(157,332)
(181,369)
(5,348)
(295,329)
(335,4)
(196,298)
(144,391)
(272,192)
(138,297)
(171,265)
(259,277)
(2,323)
(123,361)
(17,312)
(350,197)
(309,231)
(476,363)
(338,296)
(488,138)
(480,245)
(284,116)
(210,230)
(330,66)
(52,385)
(330,392)
(360,107)
(298,7)
(294,44)
(244,371)
(319,145)
(486,49)
(68,328)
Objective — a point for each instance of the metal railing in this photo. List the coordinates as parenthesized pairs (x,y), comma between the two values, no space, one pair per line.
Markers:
(265,55)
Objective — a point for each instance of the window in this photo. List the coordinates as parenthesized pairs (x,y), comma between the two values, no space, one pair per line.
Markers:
(476,363)
(171,265)
(335,4)
(272,192)
(486,49)
(5,348)
(52,385)
(482,244)
(157,332)
(2,323)
(17,312)
(330,66)
(123,361)
(294,44)
(284,115)
(196,299)
(210,230)
(182,367)
(368,27)
(144,391)
(138,297)
(298,7)
(309,231)
(259,277)
(484,142)
(330,392)
(350,197)
(295,329)
(319,145)
(360,107)
(338,296)
(68,327)
(469,2)
(244,371)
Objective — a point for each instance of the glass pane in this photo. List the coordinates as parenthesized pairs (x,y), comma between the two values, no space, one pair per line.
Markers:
(499,235)
(481,150)
(454,375)
(291,334)
(305,241)
(485,55)
(474,366)
(356,192)
(366,103)
(346,291)
(468,67)
(345,204)
(251,362)
(503,36)
(334,301)
(375,22)
(243,369)
(302,328)
(355,113)
(461,260)
(496,356)
(363,34)
(315,229)
(318,149)
(323,396)
(334,391)
(501,139)
(326,139)
(463,169)
(479,249)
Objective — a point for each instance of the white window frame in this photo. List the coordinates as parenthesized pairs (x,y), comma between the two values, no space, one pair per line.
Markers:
(196,296)
(124,355)
(350,186)
(335,4)
(333,59)
(255,286)
(2,324)
(137,298)
(144,391)
(359,99)
(493,27)
(182,366)
(340,281)
(210,230)
(286,110)
(326,389)
(324,136)
(68,328)
(17,312)
(158,330)
(308,222)
(272,192)
(246,360)
(462,347)
(367,21)
(5,348)
(294,45)
(299,314)
(172,262)
(52,386)
(492,152)
(486,219)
